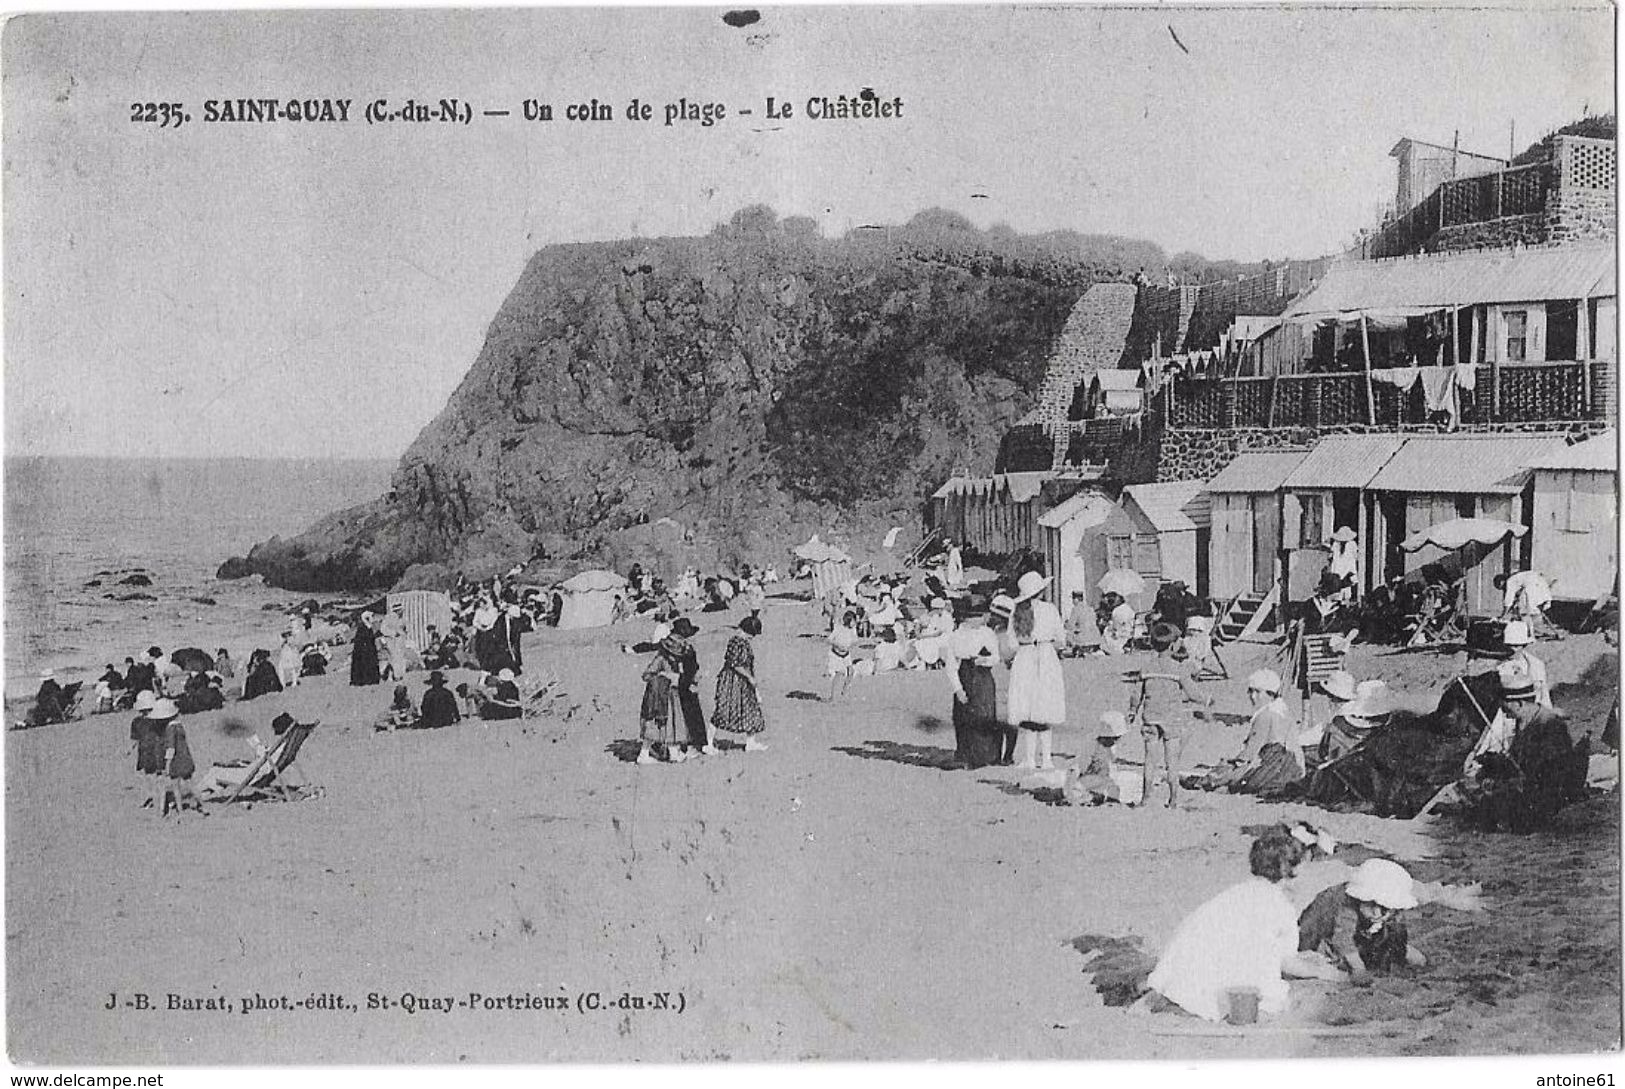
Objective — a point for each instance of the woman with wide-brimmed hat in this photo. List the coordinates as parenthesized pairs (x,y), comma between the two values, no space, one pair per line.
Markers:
(1037,688)
(971,651)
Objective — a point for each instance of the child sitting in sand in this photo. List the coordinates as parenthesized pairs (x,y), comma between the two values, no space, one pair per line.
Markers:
(401,714)
(1357,926)
(1097,779)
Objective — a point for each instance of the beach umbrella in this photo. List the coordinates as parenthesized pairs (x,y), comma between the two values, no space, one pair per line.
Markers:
(591,581)
(1122,581)
(189,658)
(1461,532)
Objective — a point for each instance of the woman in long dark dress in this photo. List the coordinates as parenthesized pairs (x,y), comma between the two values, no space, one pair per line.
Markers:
(972,652)
(739,706)
(260,677)
(688,675)
(364,653)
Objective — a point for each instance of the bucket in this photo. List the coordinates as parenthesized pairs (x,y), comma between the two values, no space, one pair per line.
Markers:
(1243,1006)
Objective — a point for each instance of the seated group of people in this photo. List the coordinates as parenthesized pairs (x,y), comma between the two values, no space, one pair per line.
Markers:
(496,697)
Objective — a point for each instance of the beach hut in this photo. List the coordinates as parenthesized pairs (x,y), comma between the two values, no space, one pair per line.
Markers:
(1244,542)
(1073,540)
(831,568)
(996,515)
(421,608)
(1575,528)
(588,600)
(1117,392)
(1173,518)
(1325,493)
(1436,478)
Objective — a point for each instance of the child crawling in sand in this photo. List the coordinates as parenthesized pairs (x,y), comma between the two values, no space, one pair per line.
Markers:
(1358,926)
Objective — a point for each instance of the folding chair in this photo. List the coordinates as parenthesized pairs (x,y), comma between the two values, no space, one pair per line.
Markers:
(270,770)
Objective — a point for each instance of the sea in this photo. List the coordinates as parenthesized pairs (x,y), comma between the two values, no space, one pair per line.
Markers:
(76,527)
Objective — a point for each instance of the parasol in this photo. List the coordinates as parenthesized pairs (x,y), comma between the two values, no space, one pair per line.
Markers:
(188,657)
(1122,581)
(1461,532)
(588,581)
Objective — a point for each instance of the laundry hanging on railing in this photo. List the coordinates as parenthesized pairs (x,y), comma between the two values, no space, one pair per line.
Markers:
(1439,392)
(1403,377)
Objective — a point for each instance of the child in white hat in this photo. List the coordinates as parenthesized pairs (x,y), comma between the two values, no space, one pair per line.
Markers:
(1094,778)
(1358,925)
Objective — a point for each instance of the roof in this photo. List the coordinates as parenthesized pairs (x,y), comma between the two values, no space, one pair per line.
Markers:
(1119,379)
(1084,503)
(1344,461)
(1252,326)
(1464,464)
(1020,487)
(1417,285)
(1599,453)
(1257,471)
(1174,506)
(1403,140)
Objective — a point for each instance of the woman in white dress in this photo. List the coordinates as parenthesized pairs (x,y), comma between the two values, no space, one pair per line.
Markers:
(1037,689)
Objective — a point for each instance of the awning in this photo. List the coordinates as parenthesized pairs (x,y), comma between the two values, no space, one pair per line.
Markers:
(1344,461)
(1410,286)
(1463,464)
(1461,532)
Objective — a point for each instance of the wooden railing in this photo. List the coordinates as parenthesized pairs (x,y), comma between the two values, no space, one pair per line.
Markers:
(1528,392)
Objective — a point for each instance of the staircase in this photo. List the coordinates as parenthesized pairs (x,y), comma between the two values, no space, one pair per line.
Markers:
(1092,340)
(1244,620)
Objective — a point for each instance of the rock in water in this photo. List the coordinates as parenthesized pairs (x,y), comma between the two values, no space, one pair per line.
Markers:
(762,380)
(135,580)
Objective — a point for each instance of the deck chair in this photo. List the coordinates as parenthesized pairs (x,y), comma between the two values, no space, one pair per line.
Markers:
(269,774)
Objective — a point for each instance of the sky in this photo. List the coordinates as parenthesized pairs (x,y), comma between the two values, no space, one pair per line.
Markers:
(319,290)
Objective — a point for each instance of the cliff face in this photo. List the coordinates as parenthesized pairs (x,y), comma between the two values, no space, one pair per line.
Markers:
(717,397)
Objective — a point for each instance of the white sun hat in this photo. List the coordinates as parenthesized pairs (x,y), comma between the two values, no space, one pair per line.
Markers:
(144,700)
(1265,680)
(1030,586)
(1379,881)
(1339,685)
(163,709)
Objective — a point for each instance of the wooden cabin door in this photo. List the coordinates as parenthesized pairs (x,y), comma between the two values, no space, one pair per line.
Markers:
(1266,540)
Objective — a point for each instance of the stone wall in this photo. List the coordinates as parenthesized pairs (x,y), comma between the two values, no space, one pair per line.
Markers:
(1200,454)
(1574,214)
(1527,230)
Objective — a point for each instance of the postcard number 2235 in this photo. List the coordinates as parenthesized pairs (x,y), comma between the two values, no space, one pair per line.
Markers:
(162,114)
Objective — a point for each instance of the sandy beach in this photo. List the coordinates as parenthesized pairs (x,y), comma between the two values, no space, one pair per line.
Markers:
(840,896)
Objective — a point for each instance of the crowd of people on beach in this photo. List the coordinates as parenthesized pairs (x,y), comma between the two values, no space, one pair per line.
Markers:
(1301,913)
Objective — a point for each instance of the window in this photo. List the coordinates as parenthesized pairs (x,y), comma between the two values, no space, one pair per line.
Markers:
(1120,552)
(1516,323)
(1312,522)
